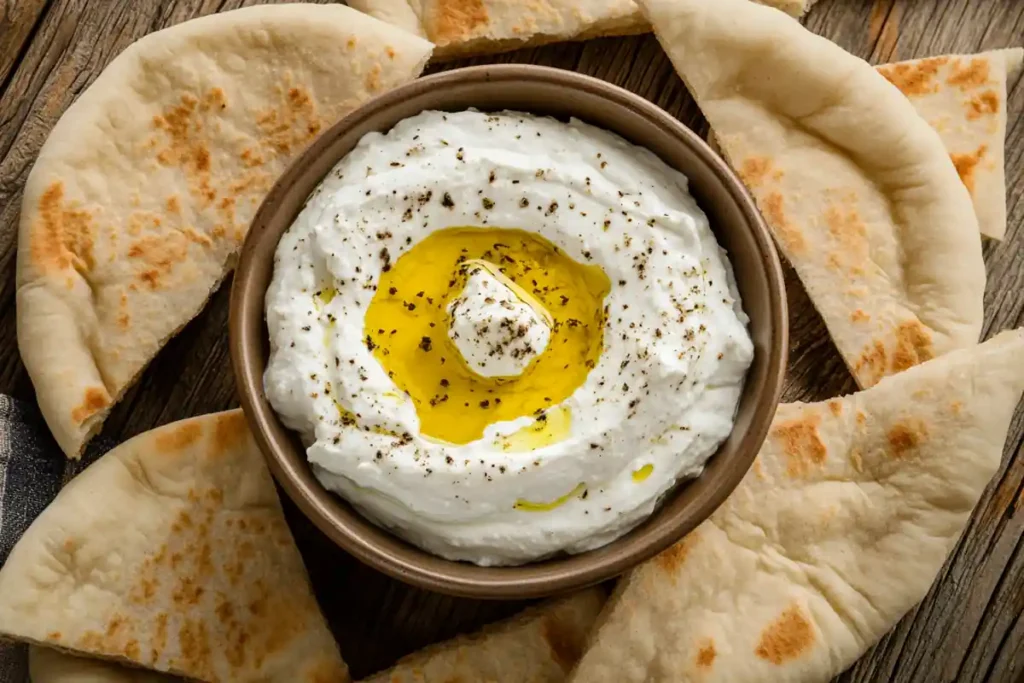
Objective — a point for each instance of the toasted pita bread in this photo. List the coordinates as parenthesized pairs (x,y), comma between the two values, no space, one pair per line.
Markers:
(540,645)
(858,190)
(963,97)
(144,190)
(836,532)
(461,28)
(50,666)
(969,114)
(171,552)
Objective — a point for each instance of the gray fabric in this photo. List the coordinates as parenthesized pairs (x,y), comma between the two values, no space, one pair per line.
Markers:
(32,471)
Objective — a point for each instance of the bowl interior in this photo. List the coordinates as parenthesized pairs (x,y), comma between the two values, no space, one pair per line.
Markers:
(561,94)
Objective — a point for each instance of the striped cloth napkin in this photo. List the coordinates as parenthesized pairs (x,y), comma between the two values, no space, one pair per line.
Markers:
(32,470)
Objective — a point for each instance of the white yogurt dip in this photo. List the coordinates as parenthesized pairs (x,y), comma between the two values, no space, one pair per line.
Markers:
(504,336)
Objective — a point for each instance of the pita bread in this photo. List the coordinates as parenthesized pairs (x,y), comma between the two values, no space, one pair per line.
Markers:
(970,117)
(144,190)
(540,645)
(171,552)
(963,97)
(836,532)
(461,28)
(858,190)
(50,666)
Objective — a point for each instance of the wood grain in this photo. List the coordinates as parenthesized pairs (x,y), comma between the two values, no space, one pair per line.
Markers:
(971,626)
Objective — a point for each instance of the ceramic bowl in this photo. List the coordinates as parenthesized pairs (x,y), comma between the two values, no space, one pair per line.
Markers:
(562,94)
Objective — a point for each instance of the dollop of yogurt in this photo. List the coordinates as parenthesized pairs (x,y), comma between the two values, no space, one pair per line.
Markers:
(497,332)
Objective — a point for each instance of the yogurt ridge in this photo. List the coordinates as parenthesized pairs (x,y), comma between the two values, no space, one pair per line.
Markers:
(668,334)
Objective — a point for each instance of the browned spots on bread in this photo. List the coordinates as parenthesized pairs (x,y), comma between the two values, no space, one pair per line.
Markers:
(871,365)
(754,170)
(54,636)
(848,231)
(63,236)
(983,104)
(184,146)
(252,158)
(390,52)
(145,591)
(173,204)
(566,648)
(915,78)
(835,407)
(157,255)
(970,75)
(905,436)
(455,20)
(801,444)
(860,316)
(176,438)
(671,560)
(789,235)
(787,638)
(123,319)
(114,625)
(706,655)
(94,400)
(373,78)
(913,346)
(196,653)
(229,434)
(967,164)
(115,640)
(92,641)
(159,642)
(214,99)
(289,126)
(955,407)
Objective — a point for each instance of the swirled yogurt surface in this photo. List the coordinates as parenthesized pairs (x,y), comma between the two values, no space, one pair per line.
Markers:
(503,336)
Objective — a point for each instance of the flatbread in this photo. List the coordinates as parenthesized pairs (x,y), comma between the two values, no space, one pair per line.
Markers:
(144,190)
(461,28)
(963,97)
(50,666)
(857,188)
(540,645)
(171,552)
(836,532)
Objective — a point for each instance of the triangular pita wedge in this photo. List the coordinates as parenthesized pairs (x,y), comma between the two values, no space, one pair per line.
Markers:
(541,645)
(857,188)
(171,552)
(145,188)
(461,28)
(836,532)
(963,97)
(51,666)
(969,114)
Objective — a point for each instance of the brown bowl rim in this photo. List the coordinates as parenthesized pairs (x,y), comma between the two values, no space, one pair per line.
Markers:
(381,549)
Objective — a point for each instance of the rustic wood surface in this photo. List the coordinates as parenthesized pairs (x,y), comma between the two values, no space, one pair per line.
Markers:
(969,629)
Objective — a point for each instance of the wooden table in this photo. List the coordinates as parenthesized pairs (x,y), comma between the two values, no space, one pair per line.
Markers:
(971,626)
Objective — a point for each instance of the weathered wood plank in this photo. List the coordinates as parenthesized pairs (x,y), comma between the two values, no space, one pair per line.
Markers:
(970,627)
(18,19)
